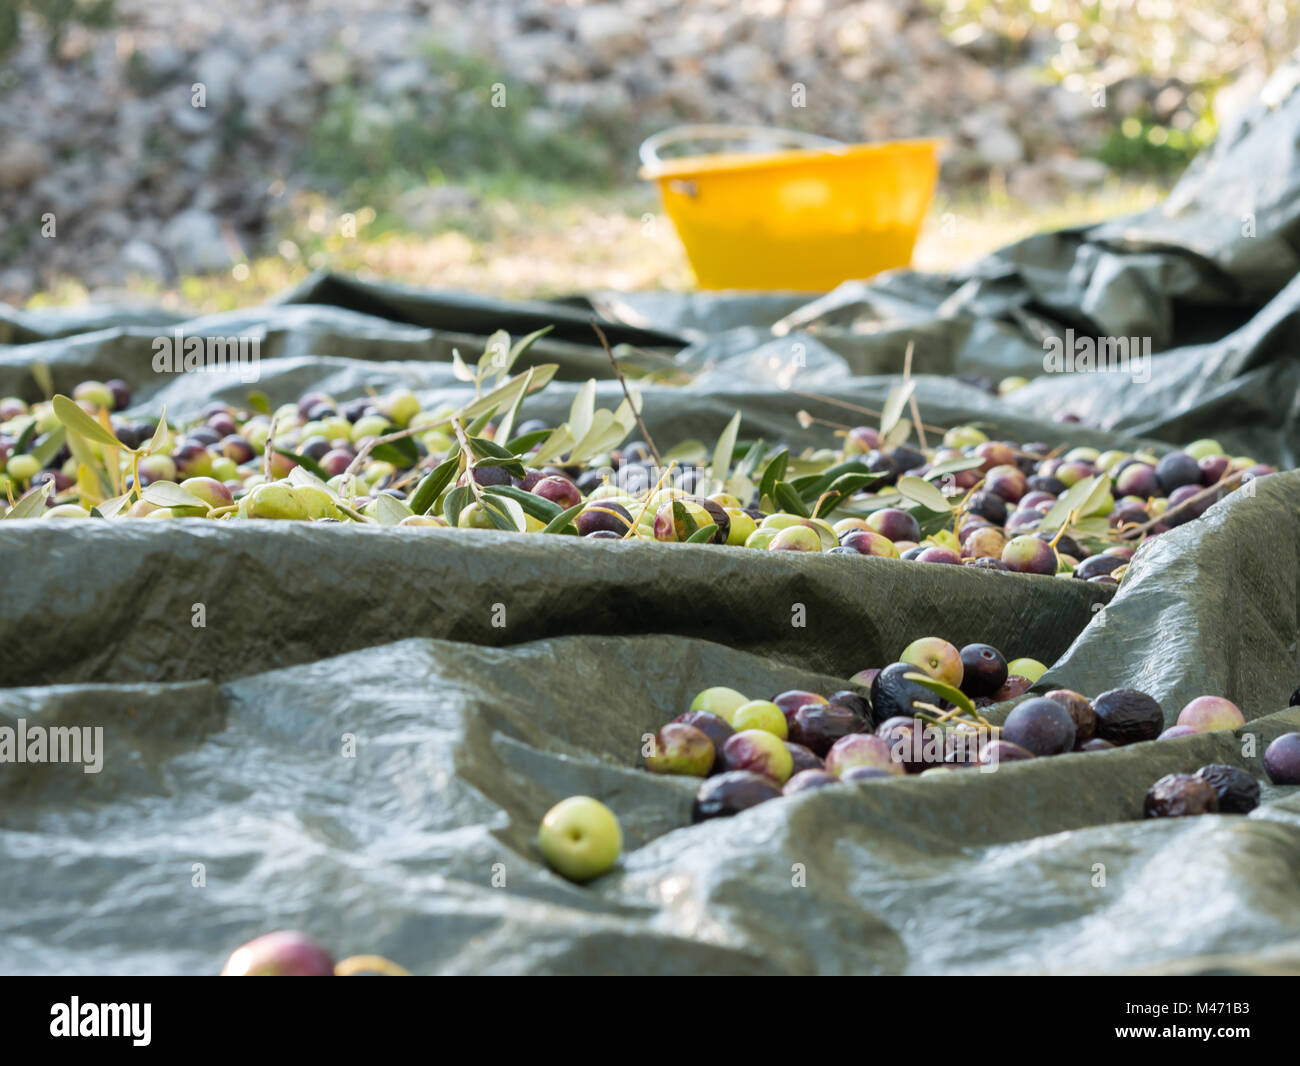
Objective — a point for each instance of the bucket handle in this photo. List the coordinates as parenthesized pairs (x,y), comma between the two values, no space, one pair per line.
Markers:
(775,137)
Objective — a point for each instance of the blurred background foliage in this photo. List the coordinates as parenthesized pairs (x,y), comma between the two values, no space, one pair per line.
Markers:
(1195,46)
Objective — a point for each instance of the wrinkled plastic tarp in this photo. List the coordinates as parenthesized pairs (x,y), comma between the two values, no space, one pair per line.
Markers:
(226,745)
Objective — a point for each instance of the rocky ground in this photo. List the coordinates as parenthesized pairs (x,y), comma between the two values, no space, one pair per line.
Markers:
(105,137)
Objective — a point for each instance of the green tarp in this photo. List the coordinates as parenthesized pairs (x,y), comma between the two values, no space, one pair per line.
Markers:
(231,801)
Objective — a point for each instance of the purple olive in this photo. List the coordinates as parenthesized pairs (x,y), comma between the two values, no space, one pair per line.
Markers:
(283,954)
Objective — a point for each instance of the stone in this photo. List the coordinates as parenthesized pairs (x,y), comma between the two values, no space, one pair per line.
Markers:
(610,31)
(142,258)
(194,241)
(22,161)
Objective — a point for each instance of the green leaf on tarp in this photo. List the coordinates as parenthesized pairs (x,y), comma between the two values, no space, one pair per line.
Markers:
(524,343)
(703,535)
(508,419)
(605,433)
(790,501)
(684,520)
(525,442)
(457,500)
(69,412)
(258,401)
(88,460)
(583,410)
(496,355)
(505,394)
(388,510)
(896,436)
(25,438)
(459,368)
(559,441)
(169,494)
(953,466)
(305,461)
(110,508)
(722,451)
(32,504)
(563,522)
(539,507)
(49,445)
(918,490)
(1072,499)
(895,405)
(749,463)
(431,485)
(44,379)
(479,424)
(955,696)
(505,513)
(160,433)
(772,473)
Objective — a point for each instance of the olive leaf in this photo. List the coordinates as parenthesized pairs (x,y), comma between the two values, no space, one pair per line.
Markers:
(159,434)
(432,484)
(456,501)
(559,442)
(49,445)
(86,458)
(953,466)
(752,458)
(496,355)
(489,449)
(305,461)
(257,400)
(300,475)
(32,504)
(69,412)
(508,419)
(841,489)
(1091,527)
(110,508)
(896,436)
(687,451)
(683,520)
(524,443)
(524,343)
(563,521)
(724,450)
(582,412)
(388,510)
(605,433)
(918,490)
(785,496)
(169,494)
(44,379)
(505,513)
(895,405)
(459,369)
(539,507)
(479,424)
(504,395)
(25,438)
(773,473)
(703,535)
(1072,499)
(955,696)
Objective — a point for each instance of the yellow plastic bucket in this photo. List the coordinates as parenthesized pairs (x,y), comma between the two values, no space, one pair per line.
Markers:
(804,218)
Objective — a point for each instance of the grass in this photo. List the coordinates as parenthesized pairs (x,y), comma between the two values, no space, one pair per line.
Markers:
(524,238)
